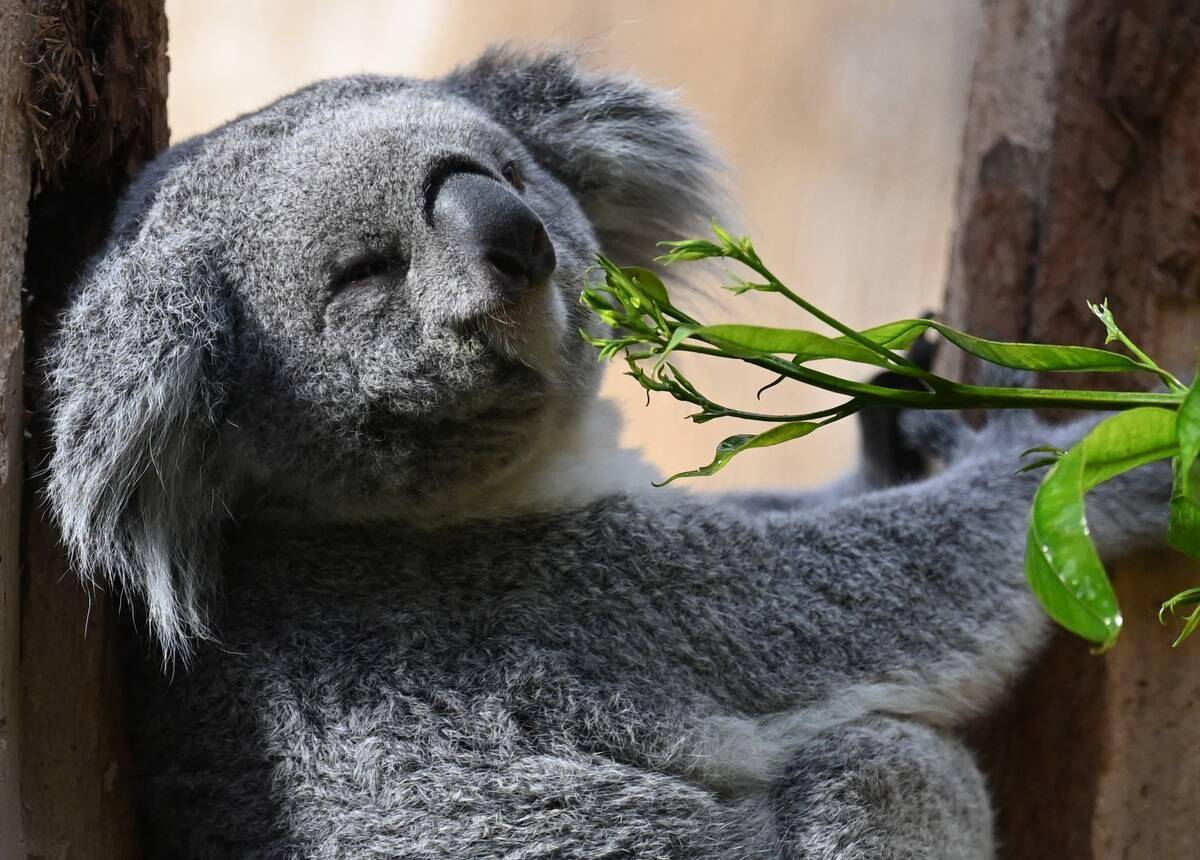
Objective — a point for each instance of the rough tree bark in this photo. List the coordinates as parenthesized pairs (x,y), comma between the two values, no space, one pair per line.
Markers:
(96,72)
(1081,180)
(15,160)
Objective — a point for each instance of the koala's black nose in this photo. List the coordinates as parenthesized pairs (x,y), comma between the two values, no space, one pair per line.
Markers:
(493,225)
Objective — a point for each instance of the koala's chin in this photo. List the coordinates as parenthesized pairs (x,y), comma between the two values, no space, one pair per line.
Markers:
(530,331)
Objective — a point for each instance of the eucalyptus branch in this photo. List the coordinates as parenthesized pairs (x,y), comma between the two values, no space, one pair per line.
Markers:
(1061,564)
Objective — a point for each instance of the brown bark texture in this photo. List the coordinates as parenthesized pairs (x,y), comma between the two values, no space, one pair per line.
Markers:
(15,161)
(1081,180)
(96,104)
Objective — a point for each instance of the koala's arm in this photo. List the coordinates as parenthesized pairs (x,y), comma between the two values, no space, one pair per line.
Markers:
(911,600)
(896,446)
(775,501)
(878,786)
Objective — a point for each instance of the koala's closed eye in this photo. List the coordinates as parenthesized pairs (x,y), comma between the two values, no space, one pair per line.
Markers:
(366,268)
(512,175)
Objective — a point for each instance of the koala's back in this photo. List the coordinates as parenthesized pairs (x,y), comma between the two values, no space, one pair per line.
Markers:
(519,689)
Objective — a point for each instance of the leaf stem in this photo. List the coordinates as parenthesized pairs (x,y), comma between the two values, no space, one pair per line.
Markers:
(955,395)
(752,260)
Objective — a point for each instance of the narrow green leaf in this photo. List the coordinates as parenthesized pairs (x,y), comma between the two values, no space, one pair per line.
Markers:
(689,249)
(1037,464)
(1190,622)
(1037,357)
(750,341)
(733,245)
(809,346)
(1044,449)
(681,380)
(649,283)
(613,275)
(678,336)
(724,235)
(596,300)
(1184,530)
(1019,356)
(741,285)
(1187,597)
(1061,562)
(620,286)
(896,335)
(734,445)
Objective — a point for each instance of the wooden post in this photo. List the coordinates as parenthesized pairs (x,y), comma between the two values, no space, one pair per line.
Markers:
(97,106)
(1081,180)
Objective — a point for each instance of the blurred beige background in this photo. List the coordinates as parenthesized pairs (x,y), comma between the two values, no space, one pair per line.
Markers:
(840,120)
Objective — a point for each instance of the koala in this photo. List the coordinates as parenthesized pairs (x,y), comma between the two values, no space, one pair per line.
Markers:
(321,416)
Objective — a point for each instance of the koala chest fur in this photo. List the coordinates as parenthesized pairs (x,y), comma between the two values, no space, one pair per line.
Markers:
(618,680)
(622,679)
(322,416)
(526,688)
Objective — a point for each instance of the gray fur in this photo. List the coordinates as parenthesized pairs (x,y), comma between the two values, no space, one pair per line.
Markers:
(393,649)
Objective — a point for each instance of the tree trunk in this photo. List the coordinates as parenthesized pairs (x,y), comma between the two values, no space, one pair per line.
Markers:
(1081,180)
(15,162)
(97,107)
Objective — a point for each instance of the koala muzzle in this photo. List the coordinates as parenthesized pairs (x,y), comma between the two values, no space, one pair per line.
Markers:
(496,229)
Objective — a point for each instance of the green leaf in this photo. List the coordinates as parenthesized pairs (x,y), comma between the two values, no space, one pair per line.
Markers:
(896,335)
(621,287)
(1037,464)
(1184,530)
(741,286)
(689,249)
(1187,429)
(649,283)
(1053,450)
(1037,357)
(678,336)
(754,341)
(734,445)
(1187,597)
(902,333)
(681,380)
(1061,562)
(596,301)
(1190,622)
(748,341)
(724,235)
(1127,440)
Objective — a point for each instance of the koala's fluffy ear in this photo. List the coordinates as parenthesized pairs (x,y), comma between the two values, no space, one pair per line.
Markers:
(638,163)
(135,394)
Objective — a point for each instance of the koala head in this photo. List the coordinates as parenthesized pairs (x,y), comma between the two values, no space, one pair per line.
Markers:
(363,294)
